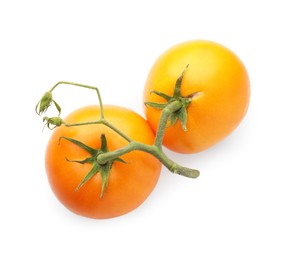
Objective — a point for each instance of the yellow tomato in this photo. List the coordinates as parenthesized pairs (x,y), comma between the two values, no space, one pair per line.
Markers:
(218,85)
(129,183)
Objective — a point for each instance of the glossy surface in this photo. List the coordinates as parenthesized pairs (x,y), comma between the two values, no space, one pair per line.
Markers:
(219,84)
(129,184)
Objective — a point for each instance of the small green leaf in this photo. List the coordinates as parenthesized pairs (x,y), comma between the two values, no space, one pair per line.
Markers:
(161,94)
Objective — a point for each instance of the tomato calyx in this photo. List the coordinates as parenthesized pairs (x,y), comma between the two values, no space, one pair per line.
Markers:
(52,122)
(179,114)
(45,102)
(103,169)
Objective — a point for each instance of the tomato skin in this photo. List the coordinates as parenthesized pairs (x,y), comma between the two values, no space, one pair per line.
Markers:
(222,92)
(129,184)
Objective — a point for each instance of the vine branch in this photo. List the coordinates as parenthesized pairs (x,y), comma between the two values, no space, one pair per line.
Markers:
(83,86)
(106,157)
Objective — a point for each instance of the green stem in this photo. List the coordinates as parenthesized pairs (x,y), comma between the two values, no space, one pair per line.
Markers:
(116,130)
(102,119)
(83,123)
(103,122)
(83,86)
(151,149)
(155,149)
(166,112)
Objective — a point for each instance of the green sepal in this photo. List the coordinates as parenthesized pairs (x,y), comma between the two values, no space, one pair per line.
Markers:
(180,114)
(161,94)
(91,173)
(52,122)
(103,169)
(173,118)
(87,160)
(119,160)
(44,103)
(178,83)
(156,105)
(103,143)
(89,149)
(58,107)
(105,172)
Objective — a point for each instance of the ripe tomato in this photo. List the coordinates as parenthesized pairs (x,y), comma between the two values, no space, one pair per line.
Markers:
(129,183)
(218,84)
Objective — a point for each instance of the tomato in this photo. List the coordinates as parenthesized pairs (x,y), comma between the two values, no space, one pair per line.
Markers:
(218,85)
(129,184)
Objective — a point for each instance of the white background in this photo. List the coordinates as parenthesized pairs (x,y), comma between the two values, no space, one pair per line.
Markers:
(243,206)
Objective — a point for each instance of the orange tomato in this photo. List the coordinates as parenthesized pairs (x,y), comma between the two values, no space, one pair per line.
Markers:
(218,83)
(129,183)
